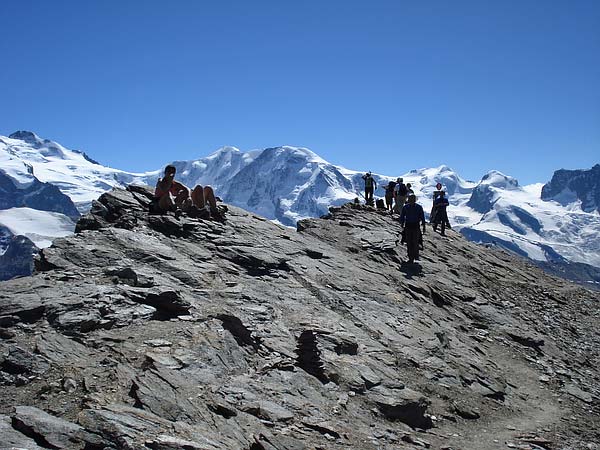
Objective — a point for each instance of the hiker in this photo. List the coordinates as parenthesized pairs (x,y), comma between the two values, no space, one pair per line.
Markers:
(173,196)
(409,189)
(441,215)
(399,195)
(411,217)
(370,186)
(436,194)
(389,196)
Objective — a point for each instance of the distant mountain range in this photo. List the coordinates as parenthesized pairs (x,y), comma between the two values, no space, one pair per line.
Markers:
(44,186)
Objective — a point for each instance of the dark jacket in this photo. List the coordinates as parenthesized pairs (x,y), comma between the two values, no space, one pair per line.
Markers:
(441,203)
(412,214)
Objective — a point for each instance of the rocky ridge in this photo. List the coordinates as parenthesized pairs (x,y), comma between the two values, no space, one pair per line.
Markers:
(166,333)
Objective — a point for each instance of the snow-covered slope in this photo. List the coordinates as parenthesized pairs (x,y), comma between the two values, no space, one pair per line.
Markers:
(25,157)
(281,183)
(291,183)
(41,227)
(518,219)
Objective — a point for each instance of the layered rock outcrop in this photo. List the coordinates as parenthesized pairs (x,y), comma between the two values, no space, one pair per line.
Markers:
(167,332)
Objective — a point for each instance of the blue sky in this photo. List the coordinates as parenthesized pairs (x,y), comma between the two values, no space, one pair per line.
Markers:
(387,86)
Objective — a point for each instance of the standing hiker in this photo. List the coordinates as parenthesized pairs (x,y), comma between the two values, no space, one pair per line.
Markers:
(436,194)
(389,195)
(411,217)
(370,186)
(400,195)
(409,189)
(441,215)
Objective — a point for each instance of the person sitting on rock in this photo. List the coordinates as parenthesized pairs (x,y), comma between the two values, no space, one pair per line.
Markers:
(172,195)
(411,216)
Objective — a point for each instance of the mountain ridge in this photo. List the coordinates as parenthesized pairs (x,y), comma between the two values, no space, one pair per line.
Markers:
(288,184)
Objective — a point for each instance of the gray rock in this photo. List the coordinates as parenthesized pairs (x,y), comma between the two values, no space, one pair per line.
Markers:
(52,431)
(268,411)
(247,335)
(405,405)
(22,362)
(13,439)
(578,393)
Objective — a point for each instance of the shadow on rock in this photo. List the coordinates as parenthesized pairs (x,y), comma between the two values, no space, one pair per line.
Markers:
(411,270)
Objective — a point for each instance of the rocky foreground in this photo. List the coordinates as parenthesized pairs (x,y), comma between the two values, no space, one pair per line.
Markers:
(177,333)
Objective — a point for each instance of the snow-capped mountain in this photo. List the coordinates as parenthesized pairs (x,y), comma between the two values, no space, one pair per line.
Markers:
(25,158)
(43,189)
(291,183)
(283,183)
(575,187)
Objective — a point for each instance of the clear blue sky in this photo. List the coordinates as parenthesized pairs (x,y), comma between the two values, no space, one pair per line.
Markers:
(389,86)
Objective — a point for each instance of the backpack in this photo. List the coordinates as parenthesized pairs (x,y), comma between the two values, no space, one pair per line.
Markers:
(402,189)
(391,186)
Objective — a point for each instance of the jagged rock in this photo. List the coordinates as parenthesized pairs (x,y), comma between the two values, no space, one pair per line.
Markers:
(577,392)
(268,411)
(22,362)
(17,258)
(404,405)
(465,411)
(48,430)
(10,438)
(180,332)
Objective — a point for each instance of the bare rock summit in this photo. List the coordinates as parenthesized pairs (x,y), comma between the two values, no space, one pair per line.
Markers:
(163,332)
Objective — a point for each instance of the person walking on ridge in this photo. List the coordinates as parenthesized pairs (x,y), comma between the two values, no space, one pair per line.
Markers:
(400,195)
(411,217)
(441,215)
(370,186)
(436,194)
(389,195)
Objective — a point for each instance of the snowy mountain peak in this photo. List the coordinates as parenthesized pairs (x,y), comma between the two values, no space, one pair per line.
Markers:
(580,188)
(27,136)
(28,159)
(225,150)
(489,189)
(499,180)
(294,153)
(429,177)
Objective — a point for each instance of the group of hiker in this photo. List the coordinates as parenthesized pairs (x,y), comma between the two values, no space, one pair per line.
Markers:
(172,196)
(401,199)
